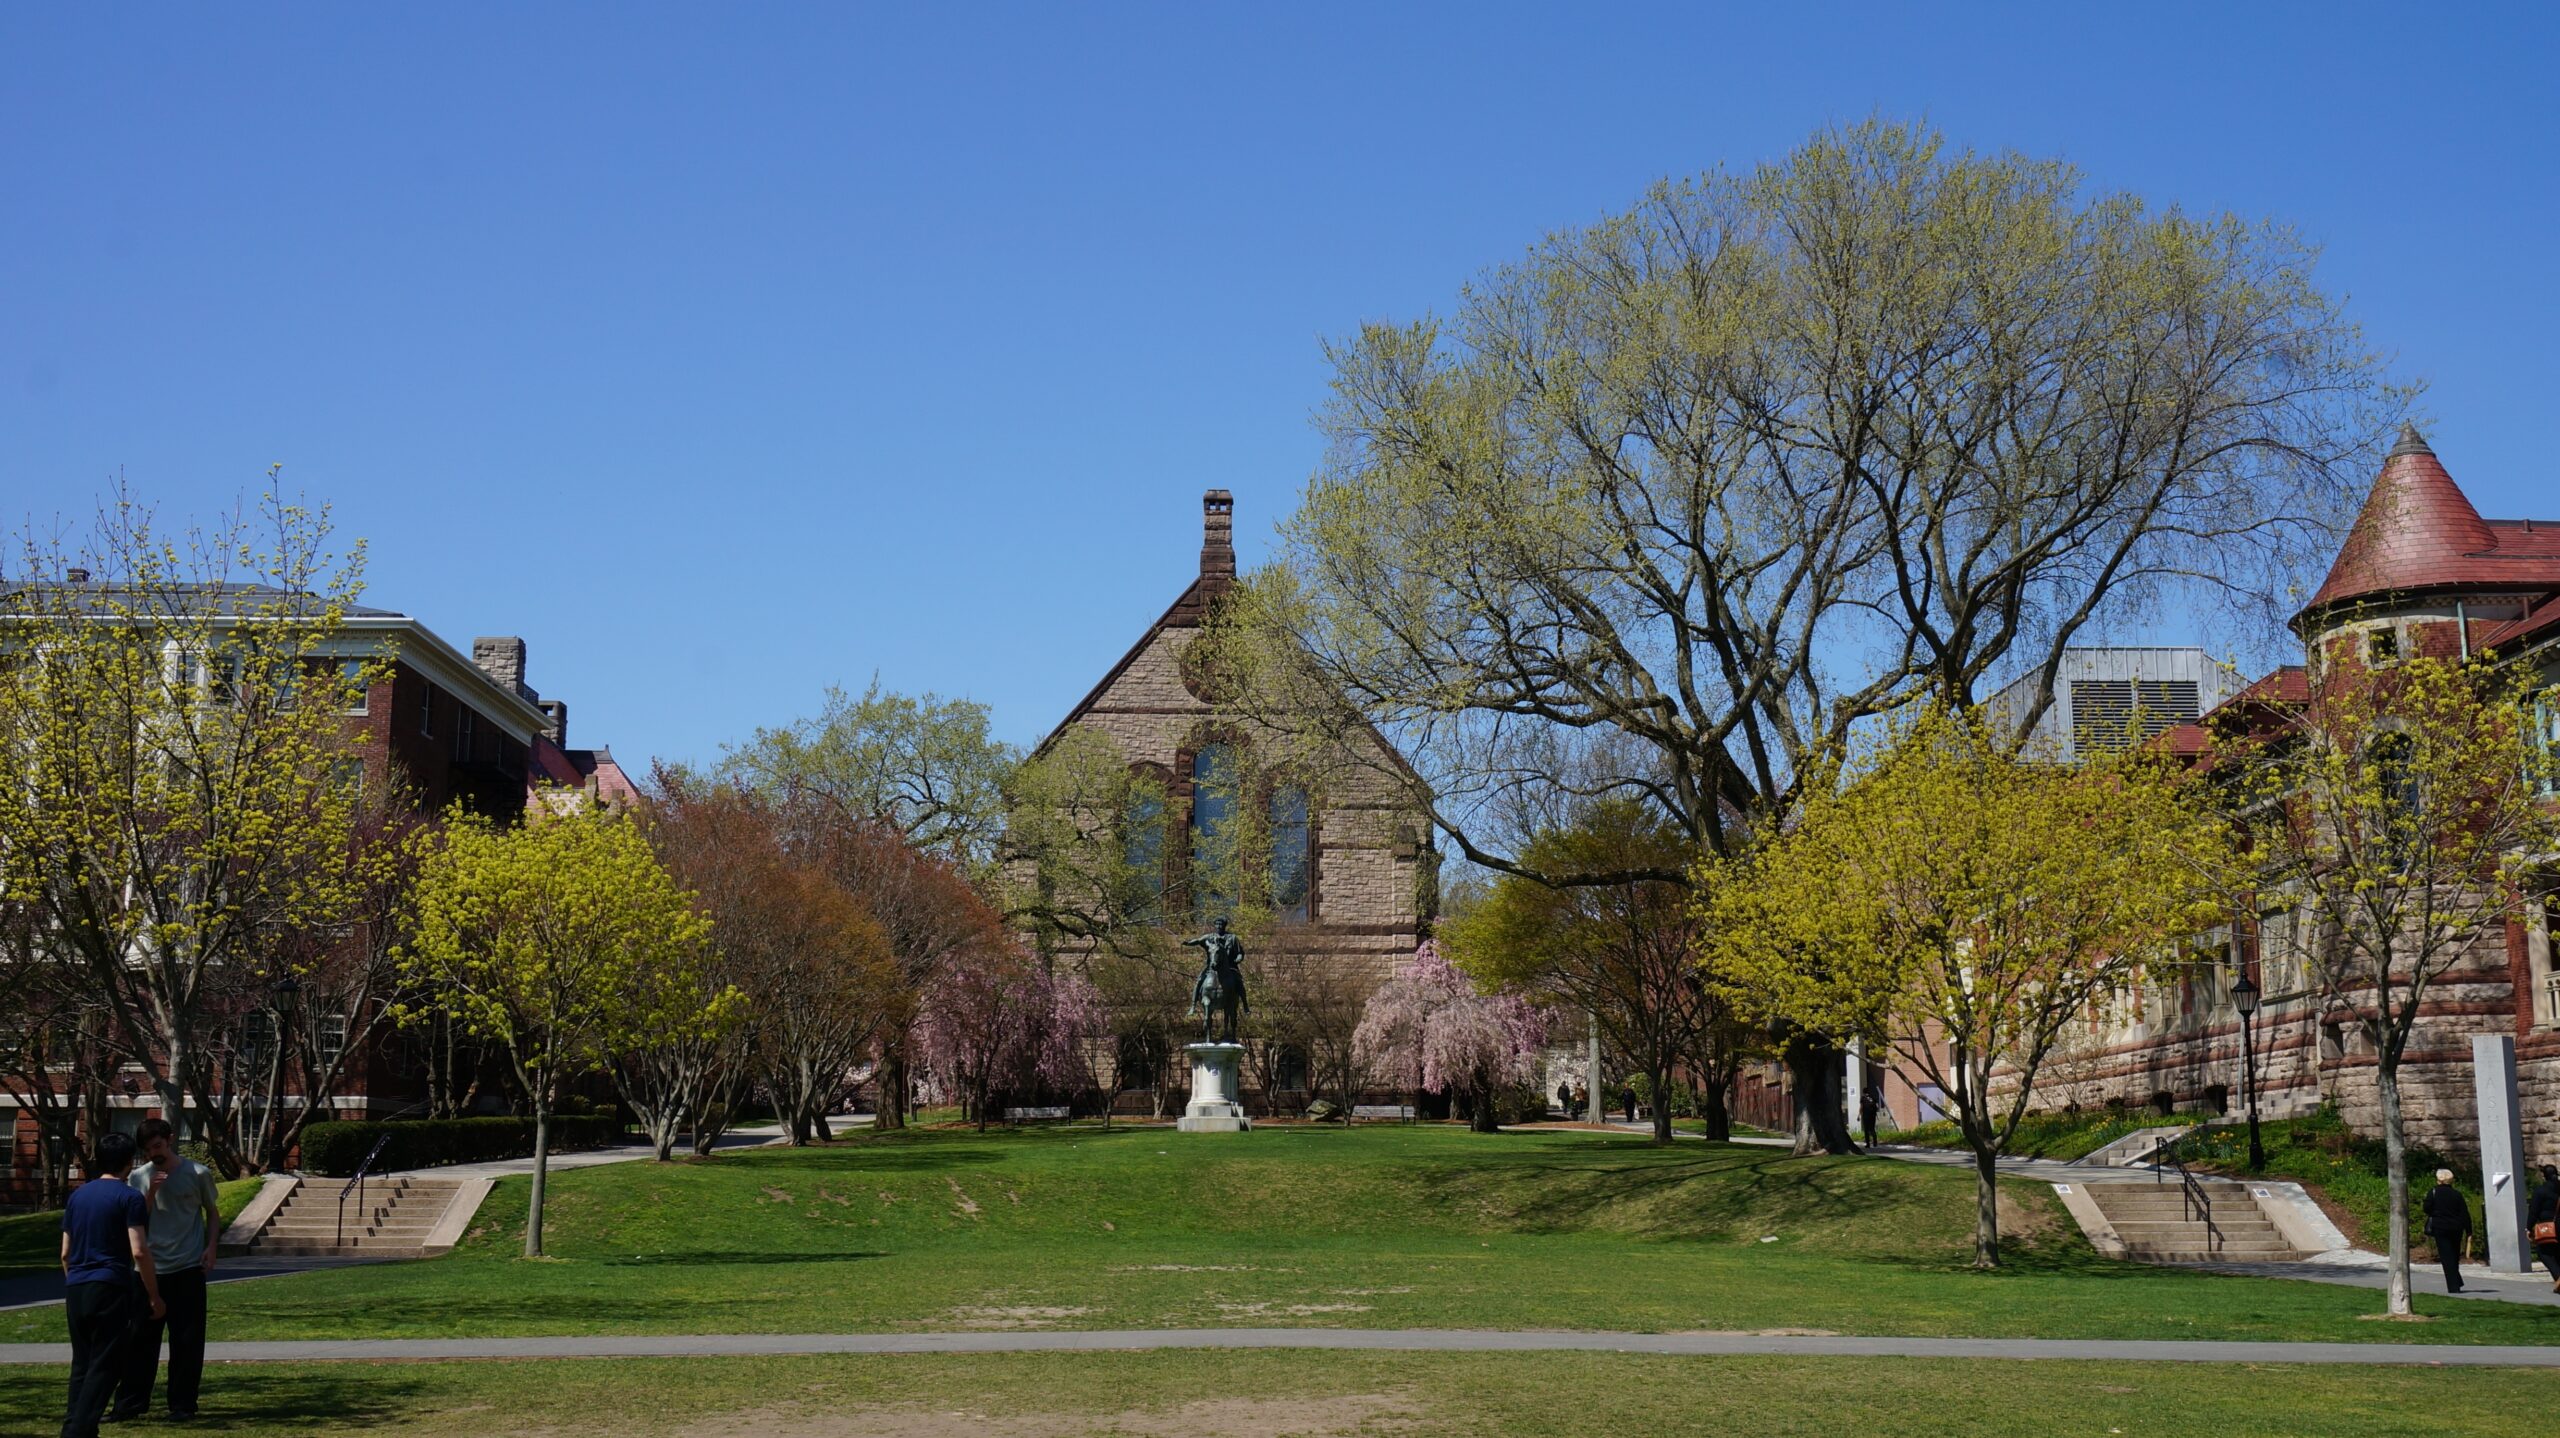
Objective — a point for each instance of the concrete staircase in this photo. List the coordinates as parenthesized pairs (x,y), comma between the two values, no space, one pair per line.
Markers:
(2212,1221)
(396,1216)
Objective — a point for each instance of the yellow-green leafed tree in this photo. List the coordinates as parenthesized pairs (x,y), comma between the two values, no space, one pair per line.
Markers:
(555,941)
(1619,949)
(1966,907)
(190,820)
(2400,811)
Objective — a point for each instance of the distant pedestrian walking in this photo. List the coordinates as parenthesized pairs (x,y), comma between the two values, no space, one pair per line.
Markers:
(2448,1224)
(1628,1096)
(1564,1098)
(2542,1220)
(186,1233)
(108,1280)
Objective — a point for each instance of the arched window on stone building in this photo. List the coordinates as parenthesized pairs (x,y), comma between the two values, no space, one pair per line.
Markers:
(1213,792)
(1142,849)
(1291,858)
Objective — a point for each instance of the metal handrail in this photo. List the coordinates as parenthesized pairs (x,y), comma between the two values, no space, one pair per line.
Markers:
(2193,1199)
(355,1186)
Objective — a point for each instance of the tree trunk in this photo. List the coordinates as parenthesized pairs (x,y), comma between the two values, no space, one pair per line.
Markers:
(541,1170)
(2395,1156)
(891,1111)
(1719,1117)
(1815,1065)
(818,1125)
(1986,1208)
(1655,1084)
(1482,1117)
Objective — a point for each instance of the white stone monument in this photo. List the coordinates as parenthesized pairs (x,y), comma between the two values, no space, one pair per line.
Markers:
(1213,1107)
(2503,1175)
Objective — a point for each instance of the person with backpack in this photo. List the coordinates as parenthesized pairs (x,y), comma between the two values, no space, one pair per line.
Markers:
(108,1280)
(2448,1224)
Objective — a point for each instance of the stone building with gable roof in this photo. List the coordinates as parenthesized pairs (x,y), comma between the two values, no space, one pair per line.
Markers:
(1351,871)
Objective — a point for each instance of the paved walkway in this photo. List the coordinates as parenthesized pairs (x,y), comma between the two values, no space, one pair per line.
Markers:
(35,1290)
(1396,1340)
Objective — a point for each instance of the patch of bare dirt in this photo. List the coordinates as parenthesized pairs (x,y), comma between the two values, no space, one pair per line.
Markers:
(1020,1316)
(2023,1223)
(1338,1417)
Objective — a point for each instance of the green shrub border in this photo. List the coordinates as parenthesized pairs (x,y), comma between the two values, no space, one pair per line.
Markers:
(335,1148)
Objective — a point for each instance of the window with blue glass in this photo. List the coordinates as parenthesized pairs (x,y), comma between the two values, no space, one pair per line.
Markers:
(2542,741)
(1289,855)
(1142,848)
(1213,792)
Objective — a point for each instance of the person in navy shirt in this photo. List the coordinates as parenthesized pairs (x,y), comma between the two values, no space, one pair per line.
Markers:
(106,1247)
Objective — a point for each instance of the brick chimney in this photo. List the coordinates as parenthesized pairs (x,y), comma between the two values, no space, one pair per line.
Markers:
(1217,535)
(501,657)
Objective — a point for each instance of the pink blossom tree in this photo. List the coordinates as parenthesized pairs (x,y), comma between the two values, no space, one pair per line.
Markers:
(998,1021)
(1433,1027)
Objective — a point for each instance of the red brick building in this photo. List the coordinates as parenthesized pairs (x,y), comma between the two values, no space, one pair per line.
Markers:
(456,730)
(2421,573)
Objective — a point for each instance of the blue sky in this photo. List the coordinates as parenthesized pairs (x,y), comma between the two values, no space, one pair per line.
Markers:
(727,352)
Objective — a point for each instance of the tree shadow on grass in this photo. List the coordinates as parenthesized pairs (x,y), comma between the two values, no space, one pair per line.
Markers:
(713,1259)
(334,1399)
(868,1156)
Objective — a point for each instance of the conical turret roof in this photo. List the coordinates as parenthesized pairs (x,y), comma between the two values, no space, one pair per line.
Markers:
(2417,531)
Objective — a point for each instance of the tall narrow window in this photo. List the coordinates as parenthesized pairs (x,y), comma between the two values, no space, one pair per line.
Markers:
(351,680)
(1213,792)
(1289,855)
(1142,849)
(2542,742)
(2397,796)
(2542,957)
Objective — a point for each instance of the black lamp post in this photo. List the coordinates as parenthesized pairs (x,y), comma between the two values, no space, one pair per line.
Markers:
(2244,997)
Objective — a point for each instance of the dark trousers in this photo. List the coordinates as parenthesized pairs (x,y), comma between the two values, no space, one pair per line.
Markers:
(2549,1253)
(100,1316)
(183,1294)
(2449,1253)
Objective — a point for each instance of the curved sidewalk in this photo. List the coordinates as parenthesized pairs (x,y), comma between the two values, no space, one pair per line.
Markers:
(1395,1340)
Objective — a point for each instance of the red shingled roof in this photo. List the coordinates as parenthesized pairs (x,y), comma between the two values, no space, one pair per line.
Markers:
(2541,620)
(2418,532)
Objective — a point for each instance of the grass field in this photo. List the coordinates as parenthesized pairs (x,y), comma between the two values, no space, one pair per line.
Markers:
(34,1240)
(2061,1136)
(1264,1394)
(1387,1226)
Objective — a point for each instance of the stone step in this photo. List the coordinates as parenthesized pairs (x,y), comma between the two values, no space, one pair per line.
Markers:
(322,1250)
(392,1219)
(2195,1233)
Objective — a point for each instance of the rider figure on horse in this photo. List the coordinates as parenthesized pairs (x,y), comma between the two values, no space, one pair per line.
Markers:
(1220,988)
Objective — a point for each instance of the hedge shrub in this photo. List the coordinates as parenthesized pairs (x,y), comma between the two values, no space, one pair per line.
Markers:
(336,1148)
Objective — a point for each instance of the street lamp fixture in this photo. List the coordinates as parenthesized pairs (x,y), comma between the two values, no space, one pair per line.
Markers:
(2244,997)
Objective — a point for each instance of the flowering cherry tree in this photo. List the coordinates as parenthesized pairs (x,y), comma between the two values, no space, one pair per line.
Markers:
(997,1021)
(1432,1027)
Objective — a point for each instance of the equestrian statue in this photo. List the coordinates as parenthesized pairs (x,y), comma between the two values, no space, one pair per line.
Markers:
(1220,988)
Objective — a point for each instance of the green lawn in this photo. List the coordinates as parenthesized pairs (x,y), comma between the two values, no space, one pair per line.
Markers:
(1385,1226)
(34,1240)
(1264,1394)
(2057,1135)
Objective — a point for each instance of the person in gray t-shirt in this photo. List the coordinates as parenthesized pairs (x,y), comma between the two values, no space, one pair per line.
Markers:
(186,1234)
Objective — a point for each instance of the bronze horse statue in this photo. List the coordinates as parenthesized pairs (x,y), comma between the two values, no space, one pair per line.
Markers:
(1219,991)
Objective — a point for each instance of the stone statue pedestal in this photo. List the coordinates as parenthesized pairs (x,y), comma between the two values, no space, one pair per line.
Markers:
(1213,1107)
